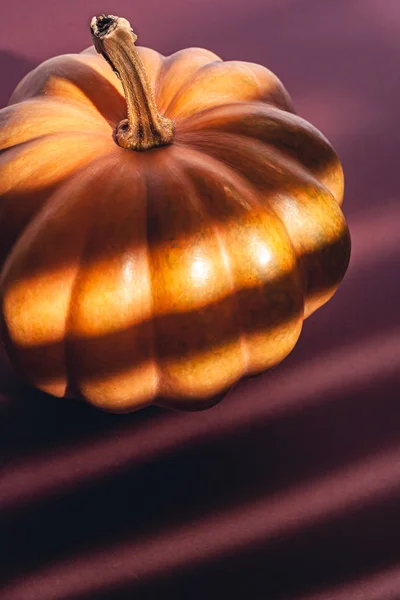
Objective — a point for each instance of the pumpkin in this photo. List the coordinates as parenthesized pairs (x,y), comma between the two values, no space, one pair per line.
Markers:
(166,224)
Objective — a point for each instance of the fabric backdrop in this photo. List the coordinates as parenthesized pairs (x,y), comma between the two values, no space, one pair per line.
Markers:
(290,488)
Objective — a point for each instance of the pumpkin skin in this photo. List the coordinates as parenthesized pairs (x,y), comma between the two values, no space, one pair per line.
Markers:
(131,278)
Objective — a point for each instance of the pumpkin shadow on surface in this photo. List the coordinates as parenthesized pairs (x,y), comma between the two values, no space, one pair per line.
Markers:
(32,420)
(190,483)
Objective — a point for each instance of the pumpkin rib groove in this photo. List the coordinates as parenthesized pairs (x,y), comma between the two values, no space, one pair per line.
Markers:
(71,385)
(149,212)
(187,85)
(74,117)
(44,136)
(24,144)
(151,321)
(47,136)
(83,107)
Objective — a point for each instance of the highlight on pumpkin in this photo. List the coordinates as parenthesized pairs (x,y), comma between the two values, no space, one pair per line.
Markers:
(166,223)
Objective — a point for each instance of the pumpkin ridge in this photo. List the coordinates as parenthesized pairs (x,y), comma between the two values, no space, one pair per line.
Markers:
(279,166)
(245,197)
(40,219)
(166,67)
(242,85)
(44,202)
(227,261)
(280,99)
(283,182)
(78,76)
(14,116)
(202,292)
(4,154)
(187,84)
(285,131)
(88,292)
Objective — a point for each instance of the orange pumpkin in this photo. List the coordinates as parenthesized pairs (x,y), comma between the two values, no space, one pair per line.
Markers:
(164,232)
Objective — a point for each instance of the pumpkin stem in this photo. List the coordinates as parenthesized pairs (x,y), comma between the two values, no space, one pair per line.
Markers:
(144,128)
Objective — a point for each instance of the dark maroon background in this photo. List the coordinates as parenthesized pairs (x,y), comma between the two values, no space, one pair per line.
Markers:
(290,488)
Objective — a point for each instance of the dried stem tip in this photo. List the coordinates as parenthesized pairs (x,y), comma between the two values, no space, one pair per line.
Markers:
(145,127)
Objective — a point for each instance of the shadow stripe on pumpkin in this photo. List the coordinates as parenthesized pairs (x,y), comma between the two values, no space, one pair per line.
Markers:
(113,209)
(43,195)
(39,180)
(40,361)
(206,328)
(278,310)
(312,217)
